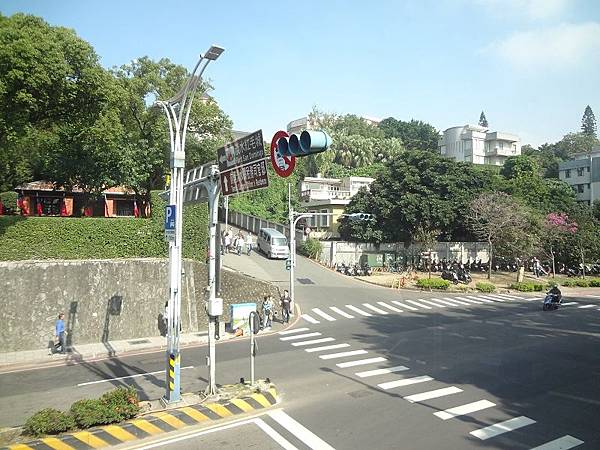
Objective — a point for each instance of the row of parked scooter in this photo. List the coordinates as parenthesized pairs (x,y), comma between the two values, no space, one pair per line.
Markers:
(354,270)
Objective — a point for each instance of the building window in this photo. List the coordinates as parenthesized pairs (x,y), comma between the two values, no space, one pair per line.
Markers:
(580,188)
(580,171)
(312,221)
(124,207)
(324,219)
(50,206)
(567,173)
(588,168)
(588,186)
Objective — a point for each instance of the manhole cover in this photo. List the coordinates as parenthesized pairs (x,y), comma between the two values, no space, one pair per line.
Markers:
(359,394)
(139,341)
(305,281)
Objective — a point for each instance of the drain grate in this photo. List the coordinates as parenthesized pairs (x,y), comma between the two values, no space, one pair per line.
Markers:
(139,341)
(305,281)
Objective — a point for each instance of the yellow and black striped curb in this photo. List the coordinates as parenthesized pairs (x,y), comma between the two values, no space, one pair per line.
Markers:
(152,424)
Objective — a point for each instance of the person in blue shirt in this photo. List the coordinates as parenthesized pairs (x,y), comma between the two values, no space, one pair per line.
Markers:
(61,334)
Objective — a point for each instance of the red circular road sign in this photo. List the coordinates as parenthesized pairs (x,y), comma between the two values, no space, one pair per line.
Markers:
(283,165)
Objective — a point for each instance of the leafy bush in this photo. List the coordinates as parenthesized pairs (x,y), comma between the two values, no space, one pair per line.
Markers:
(9,200)
(89,412)
(595,282)
(311,248)
(582,283)
(485,287)
(48,421)
(527,287)
(101,238)
(570,283)
(433,283)
(121,404)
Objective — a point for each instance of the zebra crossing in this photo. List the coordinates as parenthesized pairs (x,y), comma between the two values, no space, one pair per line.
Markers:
(382,308)
(345,360)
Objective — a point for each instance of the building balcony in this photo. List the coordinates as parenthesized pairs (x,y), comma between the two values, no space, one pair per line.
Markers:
(309,195)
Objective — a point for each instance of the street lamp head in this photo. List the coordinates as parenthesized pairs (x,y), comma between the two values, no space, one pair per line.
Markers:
(213,52)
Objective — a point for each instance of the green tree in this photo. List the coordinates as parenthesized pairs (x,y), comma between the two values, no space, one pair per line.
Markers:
(482,120)
(415,135)
(588,122)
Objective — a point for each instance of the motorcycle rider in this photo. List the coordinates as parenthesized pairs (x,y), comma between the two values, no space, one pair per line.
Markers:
(555,292)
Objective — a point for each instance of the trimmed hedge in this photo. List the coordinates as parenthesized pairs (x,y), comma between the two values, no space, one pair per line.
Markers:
(101,238)
(114,406)
(9,199)
(582,282)
(485,287)
(311,248)
(595,282)
(433,283)
(527,287)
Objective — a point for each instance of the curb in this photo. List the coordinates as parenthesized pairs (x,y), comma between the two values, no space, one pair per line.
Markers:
(153,424)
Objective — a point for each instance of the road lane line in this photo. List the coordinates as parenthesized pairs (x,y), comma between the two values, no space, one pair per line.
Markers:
(404,382)
(326,347)
(341,313)
(372,373)
(432,394)
(569,303)
(468,302)
(287,445)
(343,354)
(510,297)
(593,296)
(497,297)
(412,302)
(402,305)
(300,336)
(586,306)
(297,330)
(563,443)
(313,341)
(443,302)
(464,409)
(309,318)
(361,362)
(390,307)
(460,302)
(359,311)
(303,434)
(472,299)
(502,427)
(128,376)
(323,314)
(486,299)
(374,308)
(429,302)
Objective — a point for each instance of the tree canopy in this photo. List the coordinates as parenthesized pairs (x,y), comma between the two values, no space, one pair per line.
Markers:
(588,122)
(415,135)
(482,120)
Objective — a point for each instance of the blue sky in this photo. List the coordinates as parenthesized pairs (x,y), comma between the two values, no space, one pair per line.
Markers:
(531,65)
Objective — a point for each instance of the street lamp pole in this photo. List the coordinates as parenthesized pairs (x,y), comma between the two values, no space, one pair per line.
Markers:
(177,110)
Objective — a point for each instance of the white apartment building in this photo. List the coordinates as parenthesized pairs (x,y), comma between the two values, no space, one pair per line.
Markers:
(329,195)
(583,174)
(303,123)
(477,145)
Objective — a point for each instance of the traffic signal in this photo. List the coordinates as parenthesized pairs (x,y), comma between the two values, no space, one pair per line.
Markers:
(354,217)
(307,143)
(288,264)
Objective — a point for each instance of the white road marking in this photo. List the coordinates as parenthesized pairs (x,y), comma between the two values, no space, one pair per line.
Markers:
(510,297)
(486,299)
(404,382)
(343,354)
(464,409)
(402,305)
(472,299)
(562,443)
(300,336)
(468,302)
(570,303)
(309,318)
(287,445)
(137,375)
(323,314)
(593,296)
(341,313)
(412,302)
(361,362)
(502,427)
(444,302)
(297,330)
(496,297)
(433,394)
(326,347)
(374,308)
(390,307)
(304,434)
(372,373)
(453,300)
(359,311)
(429,302)
(586,306)
(313,341)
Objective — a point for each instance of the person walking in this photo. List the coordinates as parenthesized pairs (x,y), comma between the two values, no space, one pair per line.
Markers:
(61,334)
(267,310)
(227,242)
(248,243)
(240,243)
(286,304)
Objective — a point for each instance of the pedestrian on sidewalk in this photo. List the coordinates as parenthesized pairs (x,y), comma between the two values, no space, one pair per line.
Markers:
(228,241)
(248,243)
(286,303)
(267,312)
(240,243)
(61,334)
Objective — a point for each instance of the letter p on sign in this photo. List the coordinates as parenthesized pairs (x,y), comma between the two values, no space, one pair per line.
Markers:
(170,218)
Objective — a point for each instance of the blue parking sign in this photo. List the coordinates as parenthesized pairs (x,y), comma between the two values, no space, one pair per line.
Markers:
(170,218)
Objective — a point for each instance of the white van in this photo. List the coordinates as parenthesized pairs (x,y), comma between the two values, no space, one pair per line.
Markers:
(273,243)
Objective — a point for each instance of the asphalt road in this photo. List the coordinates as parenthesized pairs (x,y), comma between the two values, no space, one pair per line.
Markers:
(496,359)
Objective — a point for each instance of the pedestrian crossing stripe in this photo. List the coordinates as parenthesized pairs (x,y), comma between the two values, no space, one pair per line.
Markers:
(152,424)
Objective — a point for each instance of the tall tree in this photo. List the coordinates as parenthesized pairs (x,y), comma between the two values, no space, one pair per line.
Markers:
(482,120)
(557,226)
(415,135)
(588,122)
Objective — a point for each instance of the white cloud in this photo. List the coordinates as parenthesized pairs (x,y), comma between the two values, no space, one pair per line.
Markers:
(534,9)
(562,47)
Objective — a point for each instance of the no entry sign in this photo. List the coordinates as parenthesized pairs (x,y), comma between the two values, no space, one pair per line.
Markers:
(283,165)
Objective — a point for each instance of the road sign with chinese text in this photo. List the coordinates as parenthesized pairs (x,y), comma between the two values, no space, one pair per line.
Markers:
(245,178)
(241,151)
